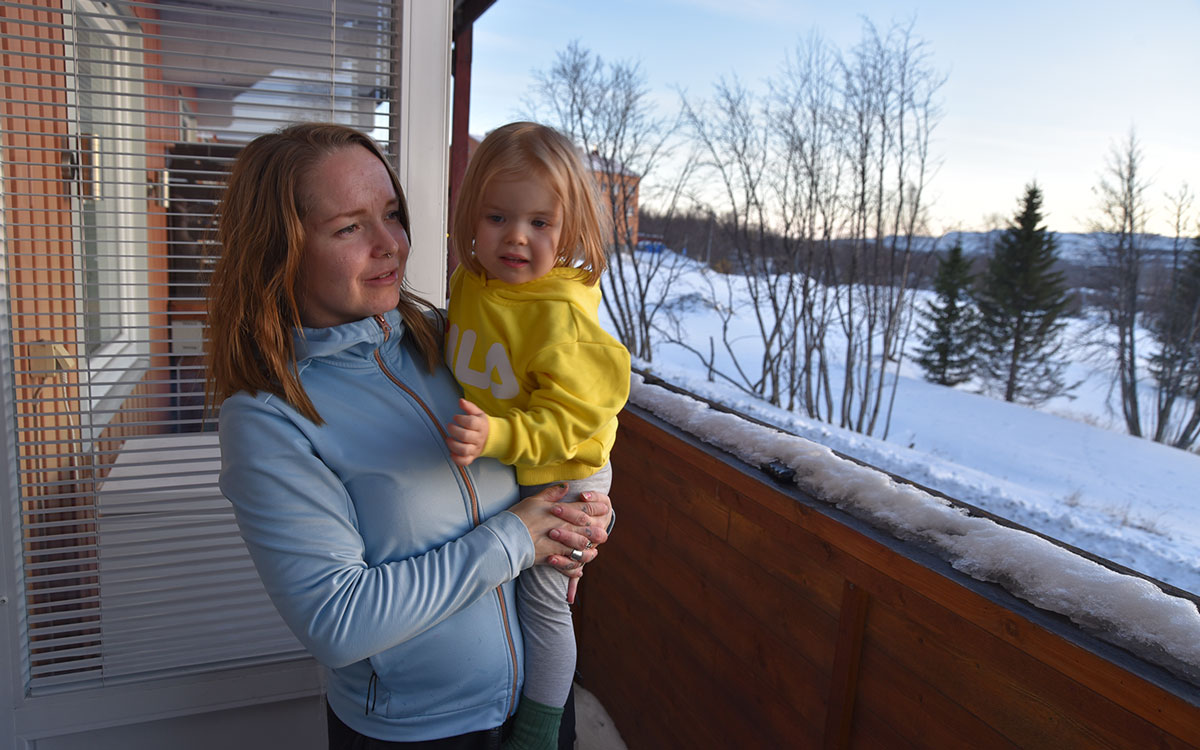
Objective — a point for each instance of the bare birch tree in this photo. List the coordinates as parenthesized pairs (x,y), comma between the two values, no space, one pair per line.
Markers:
(821,193)
(605,109)
(1175,365)
(889,112)
(806,99)
(733,135)
(1120,229)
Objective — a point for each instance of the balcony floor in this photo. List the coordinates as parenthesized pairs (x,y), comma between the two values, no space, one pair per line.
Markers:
(594,728)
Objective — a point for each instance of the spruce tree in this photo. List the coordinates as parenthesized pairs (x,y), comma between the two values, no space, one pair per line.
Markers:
(947,350)
(1022,300)
(1176,364)
(1178,325)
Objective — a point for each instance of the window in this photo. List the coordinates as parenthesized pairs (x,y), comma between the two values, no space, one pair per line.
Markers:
(110,245)
(120,121)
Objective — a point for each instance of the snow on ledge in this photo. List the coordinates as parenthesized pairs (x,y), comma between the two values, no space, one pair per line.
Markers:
(1129,611)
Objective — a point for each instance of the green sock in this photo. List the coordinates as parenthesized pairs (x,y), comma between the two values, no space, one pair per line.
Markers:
(535,726)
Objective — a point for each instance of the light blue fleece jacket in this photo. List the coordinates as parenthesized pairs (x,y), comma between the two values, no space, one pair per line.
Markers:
(382,556)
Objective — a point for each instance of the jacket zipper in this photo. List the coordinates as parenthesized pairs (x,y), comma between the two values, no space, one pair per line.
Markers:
(462,470)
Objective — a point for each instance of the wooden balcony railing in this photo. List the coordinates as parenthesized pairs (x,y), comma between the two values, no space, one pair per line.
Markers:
(729,611)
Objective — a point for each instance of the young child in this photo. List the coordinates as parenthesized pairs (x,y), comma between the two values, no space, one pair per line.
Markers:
(543,382)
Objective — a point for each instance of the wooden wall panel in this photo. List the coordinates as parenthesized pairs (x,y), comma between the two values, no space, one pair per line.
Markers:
(912,708)
(1022,698)
(728,611)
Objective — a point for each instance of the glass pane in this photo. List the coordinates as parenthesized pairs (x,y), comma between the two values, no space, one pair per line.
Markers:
(99,214)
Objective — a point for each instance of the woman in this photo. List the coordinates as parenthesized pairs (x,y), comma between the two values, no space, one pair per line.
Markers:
(393,566)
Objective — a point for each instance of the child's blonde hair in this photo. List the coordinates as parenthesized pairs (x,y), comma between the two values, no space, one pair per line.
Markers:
(518,151)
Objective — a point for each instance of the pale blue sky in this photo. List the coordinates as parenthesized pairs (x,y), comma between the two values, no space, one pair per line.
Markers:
(1035,90)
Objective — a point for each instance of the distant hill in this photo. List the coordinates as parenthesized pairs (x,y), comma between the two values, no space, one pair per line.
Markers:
(1073,247)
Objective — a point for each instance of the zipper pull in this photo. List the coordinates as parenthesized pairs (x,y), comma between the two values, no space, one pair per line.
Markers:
(387,329)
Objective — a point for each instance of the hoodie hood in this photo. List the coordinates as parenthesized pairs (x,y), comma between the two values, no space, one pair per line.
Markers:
(560,284)
(349,341)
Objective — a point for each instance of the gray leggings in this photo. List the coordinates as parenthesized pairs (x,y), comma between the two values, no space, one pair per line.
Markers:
(546,616)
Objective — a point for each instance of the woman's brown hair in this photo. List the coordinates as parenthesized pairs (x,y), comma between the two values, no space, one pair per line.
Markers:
(517,151)
(252,305)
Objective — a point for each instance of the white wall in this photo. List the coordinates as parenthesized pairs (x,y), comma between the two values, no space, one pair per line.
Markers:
(425,139)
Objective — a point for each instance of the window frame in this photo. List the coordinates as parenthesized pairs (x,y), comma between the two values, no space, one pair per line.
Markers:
(112,365)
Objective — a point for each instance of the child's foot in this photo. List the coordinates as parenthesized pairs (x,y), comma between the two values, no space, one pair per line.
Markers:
(535,727)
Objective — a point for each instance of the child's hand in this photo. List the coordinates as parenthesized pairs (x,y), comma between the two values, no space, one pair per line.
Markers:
(467,433)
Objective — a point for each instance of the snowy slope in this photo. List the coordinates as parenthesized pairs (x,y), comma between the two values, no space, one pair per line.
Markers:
(1126,499)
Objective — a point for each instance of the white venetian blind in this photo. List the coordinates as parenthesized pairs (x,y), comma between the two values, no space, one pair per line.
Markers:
(119,121)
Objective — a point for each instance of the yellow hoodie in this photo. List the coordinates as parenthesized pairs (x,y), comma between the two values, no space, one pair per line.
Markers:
(534,357)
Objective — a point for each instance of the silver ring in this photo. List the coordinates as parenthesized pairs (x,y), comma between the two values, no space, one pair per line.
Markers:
(387,255)
(589,545)
(576,555)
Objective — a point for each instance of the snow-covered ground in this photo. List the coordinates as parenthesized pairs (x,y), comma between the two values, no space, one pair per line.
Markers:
(1065,470)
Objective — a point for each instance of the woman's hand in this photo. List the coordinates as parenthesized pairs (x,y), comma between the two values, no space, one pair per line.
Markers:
(558,528)
(596,507)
